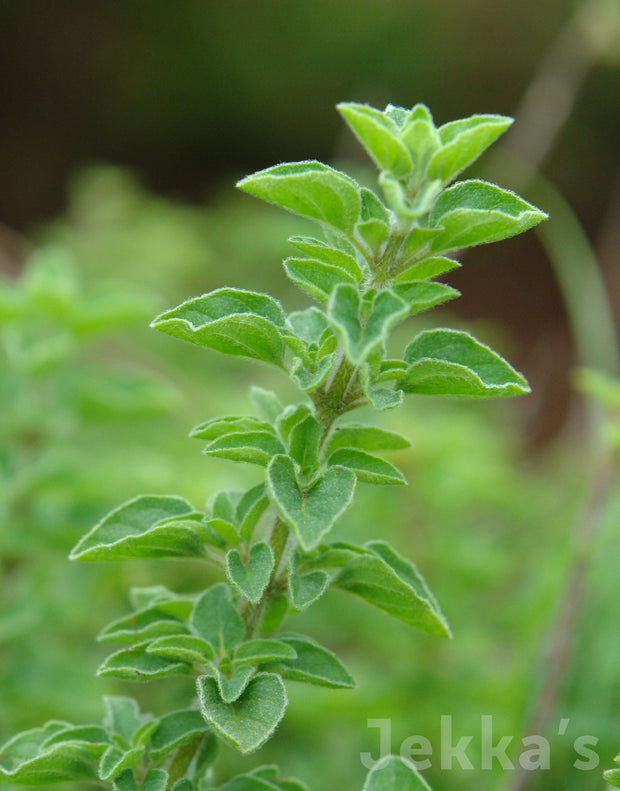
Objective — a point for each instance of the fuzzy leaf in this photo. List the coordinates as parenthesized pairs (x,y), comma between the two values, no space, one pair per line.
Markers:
(309,379)
(309,189)
(379,135)
(358,435)
(154,621)
(249,721)
(305,589)
(367,467)
(219,426)
(216,620)
(314,665)
(612,776)
(422,295)
(249,782)
(126,781)
(304,443)
(476,212)
(395,774)
(420,136)
(252,447)
(451,362)
(226,530)
(25,759)
(373,232)
(379,397)
(315,277)
(229,320)
(141,528)
(426,269)
(231,689)
(175,729)
(114,761)
(290,417)
(311,512)
(256,652)
(157,780)
(251,580)
(387,310)
(250,508)
(182,648)
(122,716)
(308,324)
(135,664)
(391,583)
(266,402)
(462,143)
(315,248)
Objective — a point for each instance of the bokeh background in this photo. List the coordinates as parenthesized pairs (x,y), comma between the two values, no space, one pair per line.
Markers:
(123,129)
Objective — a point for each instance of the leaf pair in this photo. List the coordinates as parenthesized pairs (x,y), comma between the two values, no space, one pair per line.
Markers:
(406,143)
(249,719)
(60,752)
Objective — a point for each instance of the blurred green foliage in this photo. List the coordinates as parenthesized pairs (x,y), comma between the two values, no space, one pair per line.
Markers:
(489,525)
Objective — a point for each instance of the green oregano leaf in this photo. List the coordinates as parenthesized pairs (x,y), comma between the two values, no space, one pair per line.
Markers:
(314,664)
(379,135)
(251,579)
(304,444)
(309,378)
(476,212)
(157,780)
(391,583)
(251,447)
(182,648)
(252,718)
(395,774)
(175,729)
(363,437)
(266,402)
(314,248)
(422,295)
(126,781)
(219,426)
(309,325)
(141,528)
(612,776)
(379,397)
(257,652)
(426,268)
(122,716)
(309,189)
(305,589)
(462,143)
(231,321)
(26,760)
(316,277)
(452,362)
(217,620)
(231,687)
(136,664)
(367,467)
(114,761)
(359,341)
(311,512)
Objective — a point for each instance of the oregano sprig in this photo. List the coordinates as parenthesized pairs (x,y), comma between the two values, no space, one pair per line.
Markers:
(371,267)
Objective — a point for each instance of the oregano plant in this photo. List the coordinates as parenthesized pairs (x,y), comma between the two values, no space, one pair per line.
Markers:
(370,268)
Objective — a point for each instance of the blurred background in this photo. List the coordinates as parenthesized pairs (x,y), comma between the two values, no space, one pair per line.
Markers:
(124,127)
